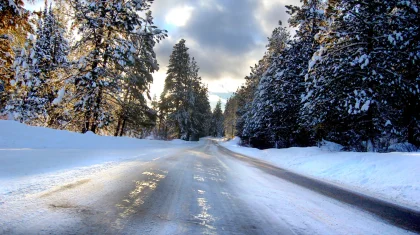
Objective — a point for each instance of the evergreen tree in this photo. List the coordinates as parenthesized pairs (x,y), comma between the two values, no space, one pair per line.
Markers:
(184,106)
(404,37)
(217,128)
(112,39)
(358,83)
(36,72)
(134,113)
(21,104)
(272,119)
(230,117)
(200,110)
(176,97)
(261,126)
(289,74)
(245,99)
(14,27)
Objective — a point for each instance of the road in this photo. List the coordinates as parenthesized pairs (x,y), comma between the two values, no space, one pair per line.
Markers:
(202,190)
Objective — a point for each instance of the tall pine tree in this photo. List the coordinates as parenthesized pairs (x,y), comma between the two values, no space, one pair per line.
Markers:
(217,121)
(184,104)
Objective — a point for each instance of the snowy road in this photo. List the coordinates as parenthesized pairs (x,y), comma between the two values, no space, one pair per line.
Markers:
(200,190)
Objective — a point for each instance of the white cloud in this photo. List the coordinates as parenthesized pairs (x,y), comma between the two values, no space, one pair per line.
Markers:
(179,16)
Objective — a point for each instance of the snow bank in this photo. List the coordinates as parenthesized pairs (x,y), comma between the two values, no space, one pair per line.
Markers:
(394,177)
(33,159)
(16,135)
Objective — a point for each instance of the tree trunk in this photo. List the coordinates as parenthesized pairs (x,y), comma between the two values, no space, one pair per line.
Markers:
(121,116)
(87,122)
(105,59)
(117,131)
(96,113)
(123,127)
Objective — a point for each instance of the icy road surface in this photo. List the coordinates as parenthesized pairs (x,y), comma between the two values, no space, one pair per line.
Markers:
(199,190)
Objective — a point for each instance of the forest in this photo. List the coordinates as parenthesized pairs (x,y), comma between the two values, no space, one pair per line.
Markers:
(342,71)
(350,74)
(88,66)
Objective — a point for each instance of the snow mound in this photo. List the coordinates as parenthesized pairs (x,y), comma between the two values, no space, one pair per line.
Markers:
(17,135)
(331,146)
(90,133)
(394,177)
(403,147)
(236,141)
(33,159)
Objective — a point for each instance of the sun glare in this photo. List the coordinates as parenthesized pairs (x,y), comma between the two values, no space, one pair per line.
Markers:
(179,16)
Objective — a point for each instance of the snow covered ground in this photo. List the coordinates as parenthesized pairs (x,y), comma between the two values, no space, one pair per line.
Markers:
(54,181)
(33,159)
(394,177)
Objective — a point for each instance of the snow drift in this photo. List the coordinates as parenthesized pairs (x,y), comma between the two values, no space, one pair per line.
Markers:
(394,177)
(33,159)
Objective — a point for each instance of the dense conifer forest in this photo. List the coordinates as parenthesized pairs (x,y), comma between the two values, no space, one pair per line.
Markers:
(342,71)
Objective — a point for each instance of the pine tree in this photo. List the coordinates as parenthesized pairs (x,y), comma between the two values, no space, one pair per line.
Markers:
(175,97)
(200,110)
(112,42)
(262,127)
(14,27)
(217,128)
(271,121)
(245,100)
(134,113)
(36,72)
(289,75)
(184,106)
(358,85)
(405,40)
(230,117)
(23,103)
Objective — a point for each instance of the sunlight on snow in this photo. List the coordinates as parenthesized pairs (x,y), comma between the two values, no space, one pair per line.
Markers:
(136,197)
(205,219)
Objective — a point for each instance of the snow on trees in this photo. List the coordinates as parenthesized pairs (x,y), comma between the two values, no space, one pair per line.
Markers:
(275,107)
(36,79)
(217,121)
(358,79)
(230,117)
(14,26)
(115,44)
(108,77)
(261,127)
(184,104)
(350,75)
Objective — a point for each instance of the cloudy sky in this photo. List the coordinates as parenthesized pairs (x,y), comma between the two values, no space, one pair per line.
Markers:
(226,37)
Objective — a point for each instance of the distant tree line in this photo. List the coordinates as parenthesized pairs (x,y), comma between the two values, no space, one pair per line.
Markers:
(351,75)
